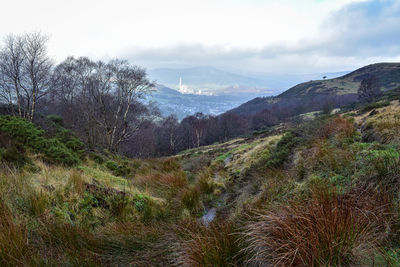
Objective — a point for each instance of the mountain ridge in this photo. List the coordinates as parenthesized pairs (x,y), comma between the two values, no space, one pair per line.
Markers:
(388,75)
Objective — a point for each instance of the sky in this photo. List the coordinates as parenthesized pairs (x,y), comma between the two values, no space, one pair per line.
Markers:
(258,36)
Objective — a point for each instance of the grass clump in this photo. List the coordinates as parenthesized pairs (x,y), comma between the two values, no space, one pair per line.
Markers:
(14,245)
(323,229)
(215,245)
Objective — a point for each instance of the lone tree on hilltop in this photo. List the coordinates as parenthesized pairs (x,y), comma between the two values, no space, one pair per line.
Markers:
(369,89)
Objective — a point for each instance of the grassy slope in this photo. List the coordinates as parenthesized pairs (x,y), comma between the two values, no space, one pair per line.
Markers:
(388,74)
(150,216)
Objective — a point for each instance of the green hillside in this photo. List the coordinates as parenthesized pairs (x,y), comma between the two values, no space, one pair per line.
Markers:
(388,75)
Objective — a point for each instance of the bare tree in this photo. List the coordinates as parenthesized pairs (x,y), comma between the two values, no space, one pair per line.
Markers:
(25,71)
(129,83)
(103,96)
(11,72)
(37,70)
(169,132)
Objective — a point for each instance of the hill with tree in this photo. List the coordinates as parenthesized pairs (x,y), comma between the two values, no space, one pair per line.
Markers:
(342,90)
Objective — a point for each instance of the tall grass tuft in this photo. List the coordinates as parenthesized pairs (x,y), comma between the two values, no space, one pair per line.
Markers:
(14,247)
(324,229)
(214,245)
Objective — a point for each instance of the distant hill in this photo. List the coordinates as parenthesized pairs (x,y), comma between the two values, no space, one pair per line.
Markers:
(388,75)
(219,82)
(206,78)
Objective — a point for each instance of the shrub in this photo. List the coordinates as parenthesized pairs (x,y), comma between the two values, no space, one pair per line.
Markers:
(112,166)
(26,135)
(96,158)
(324,229)
(69,140)
(22,132)
(375,105)
(147,208)
(283,149)
(14,156)
(56,152)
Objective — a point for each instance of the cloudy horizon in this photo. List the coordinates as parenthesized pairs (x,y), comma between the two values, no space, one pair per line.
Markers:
(308,36)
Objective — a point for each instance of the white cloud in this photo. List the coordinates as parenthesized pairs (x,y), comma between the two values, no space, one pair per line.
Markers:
(261,35)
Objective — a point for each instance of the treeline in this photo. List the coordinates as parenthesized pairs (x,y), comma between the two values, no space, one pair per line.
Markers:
(102,102)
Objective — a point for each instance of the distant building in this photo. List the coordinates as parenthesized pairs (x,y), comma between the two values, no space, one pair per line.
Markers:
(183,88)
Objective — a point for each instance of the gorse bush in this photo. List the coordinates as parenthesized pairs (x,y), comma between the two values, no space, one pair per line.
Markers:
(25,135)
(283,150)
(22,132)
(375,105)
(57,152)
(14,156)
(65,136)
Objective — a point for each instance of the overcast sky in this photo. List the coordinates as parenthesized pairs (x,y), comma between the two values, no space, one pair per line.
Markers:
(265,36)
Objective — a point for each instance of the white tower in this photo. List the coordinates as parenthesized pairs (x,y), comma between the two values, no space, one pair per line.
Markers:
(180,83)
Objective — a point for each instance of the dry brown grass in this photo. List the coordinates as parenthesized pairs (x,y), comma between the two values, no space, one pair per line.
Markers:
(76,181)
(168,181)
(14,245)
(214,245)
(338,127)
(325,229)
